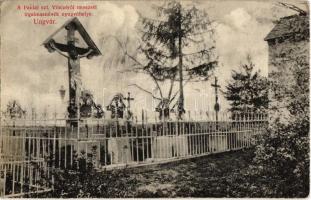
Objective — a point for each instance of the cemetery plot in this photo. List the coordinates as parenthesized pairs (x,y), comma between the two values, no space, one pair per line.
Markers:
(32,150)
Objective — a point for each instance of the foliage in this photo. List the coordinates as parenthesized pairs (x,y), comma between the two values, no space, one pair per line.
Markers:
(210,176)
(290,85)
(283,153)
(84,180)
(280,167)
(248,90)
(177,28)
(177,46)
(91,183)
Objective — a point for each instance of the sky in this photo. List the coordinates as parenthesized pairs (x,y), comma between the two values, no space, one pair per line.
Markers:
(33,76)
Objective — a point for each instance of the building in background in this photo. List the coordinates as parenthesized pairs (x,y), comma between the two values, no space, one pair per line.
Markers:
(288,45)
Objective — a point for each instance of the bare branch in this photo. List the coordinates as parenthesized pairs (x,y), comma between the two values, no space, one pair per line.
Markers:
(198,52)
(154,20)
(156,82)
(293,7)
(137,86)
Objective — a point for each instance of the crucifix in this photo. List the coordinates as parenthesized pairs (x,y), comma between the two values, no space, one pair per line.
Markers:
(73,53)
(217,106)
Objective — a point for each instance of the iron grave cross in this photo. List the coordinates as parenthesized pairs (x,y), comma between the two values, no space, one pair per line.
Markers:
(73,53)
(128,99)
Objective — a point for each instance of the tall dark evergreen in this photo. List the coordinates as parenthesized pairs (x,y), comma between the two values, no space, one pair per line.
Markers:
(176,46)
(247,90)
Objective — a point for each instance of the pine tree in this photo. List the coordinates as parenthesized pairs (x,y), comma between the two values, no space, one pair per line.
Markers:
(177,47)
(248,90)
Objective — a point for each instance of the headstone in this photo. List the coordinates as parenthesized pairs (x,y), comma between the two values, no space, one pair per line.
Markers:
(119,150)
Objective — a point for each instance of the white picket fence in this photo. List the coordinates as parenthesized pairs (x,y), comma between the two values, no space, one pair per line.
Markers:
(31,148)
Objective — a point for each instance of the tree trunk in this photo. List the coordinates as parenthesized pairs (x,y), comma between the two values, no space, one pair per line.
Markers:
(181,91)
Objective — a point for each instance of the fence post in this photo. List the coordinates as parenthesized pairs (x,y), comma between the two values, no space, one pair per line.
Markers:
(4,185)
(137,142)
(143,135)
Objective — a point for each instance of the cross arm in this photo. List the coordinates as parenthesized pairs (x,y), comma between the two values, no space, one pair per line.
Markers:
(213,85)
(86,54)
(52,46)
(64,48)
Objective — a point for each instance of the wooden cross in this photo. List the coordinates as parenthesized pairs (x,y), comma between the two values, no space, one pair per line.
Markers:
(216,86)
(216,107)
(128,99)
(73,54)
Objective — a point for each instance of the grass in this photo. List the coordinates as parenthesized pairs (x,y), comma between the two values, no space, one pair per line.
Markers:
(209,176)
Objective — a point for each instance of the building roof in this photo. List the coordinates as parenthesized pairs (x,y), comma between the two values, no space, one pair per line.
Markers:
(289,25)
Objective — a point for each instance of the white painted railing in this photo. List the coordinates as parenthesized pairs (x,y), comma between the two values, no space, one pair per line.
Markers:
(114,143)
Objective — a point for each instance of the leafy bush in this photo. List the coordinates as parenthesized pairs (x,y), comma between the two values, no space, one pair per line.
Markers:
(75,184)
(283,156)
(281,164)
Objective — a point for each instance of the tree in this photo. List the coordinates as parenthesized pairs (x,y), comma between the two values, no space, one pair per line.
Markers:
(248,90)
(281,164)
(283,153)
(177,46)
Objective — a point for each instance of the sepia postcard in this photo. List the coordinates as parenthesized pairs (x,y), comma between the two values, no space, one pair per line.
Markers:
(154,99)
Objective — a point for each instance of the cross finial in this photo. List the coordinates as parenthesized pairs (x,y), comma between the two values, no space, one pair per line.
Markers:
(215,84)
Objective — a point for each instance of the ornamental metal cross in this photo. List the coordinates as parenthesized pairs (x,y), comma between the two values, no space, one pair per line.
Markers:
(128,99)
(73,53)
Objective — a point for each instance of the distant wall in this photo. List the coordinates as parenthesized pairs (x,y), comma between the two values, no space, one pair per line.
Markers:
(283,57)
(279,53)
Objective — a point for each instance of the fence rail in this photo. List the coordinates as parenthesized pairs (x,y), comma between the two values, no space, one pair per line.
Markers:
(19,178)
(112,143)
